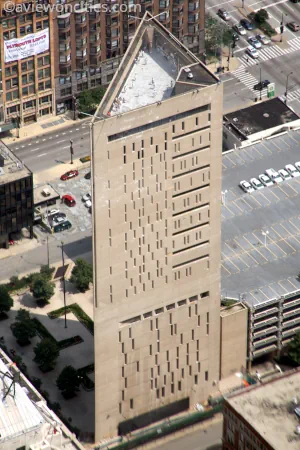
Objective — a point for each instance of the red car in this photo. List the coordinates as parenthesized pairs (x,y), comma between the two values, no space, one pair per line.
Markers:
(68,175)
(68,200)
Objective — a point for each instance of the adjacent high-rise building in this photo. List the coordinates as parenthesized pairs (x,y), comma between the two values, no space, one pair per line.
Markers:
(156,177)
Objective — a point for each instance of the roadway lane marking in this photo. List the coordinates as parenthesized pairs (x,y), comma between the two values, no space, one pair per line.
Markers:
(29,144)
(57,135)
(65,147)
(43,154)
(63,133)
(219,4)
(59,142)
(268,6)
(44,140)
(77,129)
(35,149)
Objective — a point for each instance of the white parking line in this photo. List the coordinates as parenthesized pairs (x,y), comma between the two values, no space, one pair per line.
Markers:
(43,154)
(67,146)
(59,142)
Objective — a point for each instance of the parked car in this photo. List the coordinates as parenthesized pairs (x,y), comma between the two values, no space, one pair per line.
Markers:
(274,175)
(254,42)
(86,197)
(223,14)
(263,39)
(261,85)
(297,165)
(293,26)
(88,204)
(68,175)
(59,219)
(62,226)
(292,170)
(87,176)
(256,183)
(68,200)
(265,180)
(284,174)
(239,29)
(59,214)
(252,52)
(246,186)
(247,24)
(52,212)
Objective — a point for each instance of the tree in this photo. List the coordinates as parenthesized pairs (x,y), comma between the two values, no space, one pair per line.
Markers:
(24,327)
(42,289)
(294,349)
(47,272)
(68,382)
(6,302)
(82,275)
(217,35)
(88,101)
(46,354)
(261,16)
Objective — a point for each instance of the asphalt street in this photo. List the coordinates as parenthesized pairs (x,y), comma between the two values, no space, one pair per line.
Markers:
(53,148)
(203,439)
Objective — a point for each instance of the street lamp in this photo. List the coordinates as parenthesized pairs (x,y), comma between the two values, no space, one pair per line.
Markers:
(64,282)
(223,197)
(71,150)
(265,234)
(260,85)
(287,87)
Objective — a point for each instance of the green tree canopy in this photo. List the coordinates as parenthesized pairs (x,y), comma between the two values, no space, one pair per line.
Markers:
(261,16)
(89,100)
(217,34)
(47,272)
(46,354)
(6,302)
(68,382)
(24,327)
(294,349)
(42,289)
(82,275)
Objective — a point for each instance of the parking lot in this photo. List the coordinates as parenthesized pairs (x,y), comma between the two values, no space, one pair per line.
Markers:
(261,230)
(78,215)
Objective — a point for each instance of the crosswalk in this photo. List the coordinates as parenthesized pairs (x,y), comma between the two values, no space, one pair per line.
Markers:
(248,80)
(292,95)
(270,52)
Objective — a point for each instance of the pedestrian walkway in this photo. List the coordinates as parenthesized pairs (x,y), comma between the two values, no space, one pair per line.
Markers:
(248,80)
(270,52)
(292,95)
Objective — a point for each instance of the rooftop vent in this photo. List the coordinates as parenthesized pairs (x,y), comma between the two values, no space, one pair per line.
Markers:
(190,75)
(266,115)
(187,69)
(235,119)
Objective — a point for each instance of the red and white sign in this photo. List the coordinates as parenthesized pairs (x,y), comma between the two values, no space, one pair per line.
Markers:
(29,45)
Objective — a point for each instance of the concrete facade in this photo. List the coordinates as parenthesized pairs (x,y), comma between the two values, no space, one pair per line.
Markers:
(156,242)
(233,342)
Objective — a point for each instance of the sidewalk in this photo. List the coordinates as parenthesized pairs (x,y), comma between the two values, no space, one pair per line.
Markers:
(42,126)
(55,172)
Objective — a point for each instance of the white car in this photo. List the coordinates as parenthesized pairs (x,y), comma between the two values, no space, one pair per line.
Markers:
(52,212)
(254,42)
(292,170)
(263,39)
(275,176)
(256,184)
(246,186)
(265,179)
(86,197)
(252,52)
(239,29)
(297,165)
(284,174)
(88,203)
(59,219)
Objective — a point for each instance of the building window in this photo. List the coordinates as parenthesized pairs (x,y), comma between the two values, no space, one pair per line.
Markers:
(206,375)
(131,403)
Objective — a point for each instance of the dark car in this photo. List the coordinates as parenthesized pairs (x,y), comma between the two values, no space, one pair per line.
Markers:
(261,85)
(68,200)
(87,176)
(62,226)
(68,175)
(223,14)
(247,24)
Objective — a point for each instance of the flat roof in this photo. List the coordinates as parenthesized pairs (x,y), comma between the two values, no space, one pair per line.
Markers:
(151,69)
(269,409)
(259,117)
(13,169)
(39,198)
(18,414)
(252,271)
(233,309)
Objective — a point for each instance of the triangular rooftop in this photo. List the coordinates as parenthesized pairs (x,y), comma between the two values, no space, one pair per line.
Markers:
(156,66)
